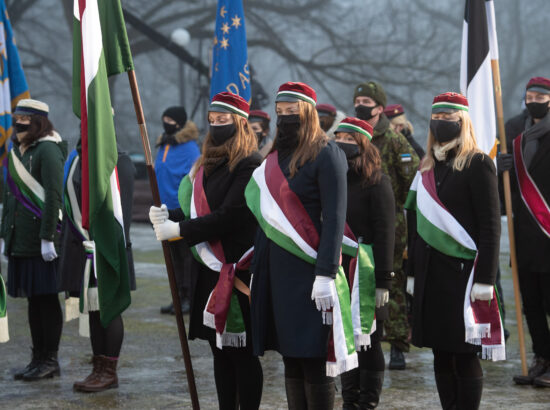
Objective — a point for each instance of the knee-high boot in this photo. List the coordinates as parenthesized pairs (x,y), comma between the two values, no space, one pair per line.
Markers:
(370,388)
(350,389)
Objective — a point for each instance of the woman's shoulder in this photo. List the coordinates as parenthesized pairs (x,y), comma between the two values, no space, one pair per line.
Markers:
(482,162)
(253,160)
(331,153)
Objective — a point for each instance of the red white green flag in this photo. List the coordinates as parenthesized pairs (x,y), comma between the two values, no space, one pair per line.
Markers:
(100,49)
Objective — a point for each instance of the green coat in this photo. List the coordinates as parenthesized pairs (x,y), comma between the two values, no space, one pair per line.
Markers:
(21,230)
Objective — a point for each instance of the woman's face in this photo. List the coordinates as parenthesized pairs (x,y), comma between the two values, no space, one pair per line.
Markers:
(345,137)
(22,119)
(219,118)
(446,116)
(287,108)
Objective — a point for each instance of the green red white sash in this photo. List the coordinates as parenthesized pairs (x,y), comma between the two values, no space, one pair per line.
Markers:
(533,199)
(285,221)
(439,228)
(4,334)
(222,311)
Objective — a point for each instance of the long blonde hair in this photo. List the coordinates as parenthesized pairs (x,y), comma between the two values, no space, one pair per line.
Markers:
(402,120)
(466,148)
(311,137)
(242,145)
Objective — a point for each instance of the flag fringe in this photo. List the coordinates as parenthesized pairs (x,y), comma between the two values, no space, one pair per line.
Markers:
(72,308)
(362,342)
(476,332)
(4,332)
(230,339)
(336,368)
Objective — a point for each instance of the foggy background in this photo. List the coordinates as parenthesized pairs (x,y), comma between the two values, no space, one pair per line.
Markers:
(412,47)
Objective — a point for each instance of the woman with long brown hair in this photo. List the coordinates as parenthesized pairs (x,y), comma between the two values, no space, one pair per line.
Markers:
(454,235)
(298,196)
(215,222)
(371,218)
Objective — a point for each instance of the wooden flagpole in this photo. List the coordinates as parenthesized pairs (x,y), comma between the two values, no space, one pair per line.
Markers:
(165,247)
(508,205)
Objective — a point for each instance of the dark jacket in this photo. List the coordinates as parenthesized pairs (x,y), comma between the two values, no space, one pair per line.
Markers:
(21,229)
(72,257)
(471,196)
(284,317)
(231,222)
(416,146)
(532,245)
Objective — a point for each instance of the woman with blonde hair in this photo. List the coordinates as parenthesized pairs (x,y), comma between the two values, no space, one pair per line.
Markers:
(215,222)
(298,196)
(454,231)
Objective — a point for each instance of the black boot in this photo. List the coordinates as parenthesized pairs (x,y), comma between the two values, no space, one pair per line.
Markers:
(446,388)
(397,359)
(295,394)
(469,393)
(370,388)
(48,367)
(168,309)
(350,389)
(320,396)
(35,359)
(538,367)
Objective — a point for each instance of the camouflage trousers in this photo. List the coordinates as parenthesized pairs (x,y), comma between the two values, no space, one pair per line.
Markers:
(397,325)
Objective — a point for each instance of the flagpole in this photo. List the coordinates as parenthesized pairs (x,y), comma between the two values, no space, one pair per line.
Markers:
(508,205)
(165,246)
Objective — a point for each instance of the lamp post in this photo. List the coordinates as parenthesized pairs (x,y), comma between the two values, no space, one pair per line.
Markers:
(182,38)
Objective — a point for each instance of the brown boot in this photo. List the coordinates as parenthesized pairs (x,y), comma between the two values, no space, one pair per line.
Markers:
(106,379)
(96,370)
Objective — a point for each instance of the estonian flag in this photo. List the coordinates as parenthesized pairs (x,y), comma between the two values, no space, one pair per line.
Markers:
(479,47)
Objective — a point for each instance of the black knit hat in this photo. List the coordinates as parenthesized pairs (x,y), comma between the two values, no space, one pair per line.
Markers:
(178,114)
(373,90)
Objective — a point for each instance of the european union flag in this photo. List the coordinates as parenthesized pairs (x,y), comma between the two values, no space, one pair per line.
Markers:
(229,57)
(13,84)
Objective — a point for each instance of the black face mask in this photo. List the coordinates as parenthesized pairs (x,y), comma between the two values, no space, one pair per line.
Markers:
(444,131)
(170,128)
(259,136)
(21,127)
(351,150)
(288,126)
(537,110)
(221,133)
(363,112)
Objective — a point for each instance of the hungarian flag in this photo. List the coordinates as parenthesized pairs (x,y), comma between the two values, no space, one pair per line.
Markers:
(479,47)
(100,49)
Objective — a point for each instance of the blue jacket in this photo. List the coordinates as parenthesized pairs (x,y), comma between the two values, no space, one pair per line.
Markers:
(174,161)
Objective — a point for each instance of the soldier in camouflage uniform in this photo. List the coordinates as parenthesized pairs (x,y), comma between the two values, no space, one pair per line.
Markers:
(399,162)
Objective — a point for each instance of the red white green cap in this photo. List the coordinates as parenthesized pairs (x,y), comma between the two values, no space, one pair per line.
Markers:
(449,102)
(230,103)
(351,124)
(539,85)
(293,92)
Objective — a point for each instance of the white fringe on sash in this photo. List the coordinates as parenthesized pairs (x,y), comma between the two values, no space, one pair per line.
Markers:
(335,369)
(4,332)
(230,339)
(72,308)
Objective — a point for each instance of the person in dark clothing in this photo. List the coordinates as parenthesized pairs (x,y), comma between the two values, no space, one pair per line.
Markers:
(106,341)
(29,231)
(217,222)
(399,123)
(529,162)
(371,217)
(461,189)
(259,122)
(291,296)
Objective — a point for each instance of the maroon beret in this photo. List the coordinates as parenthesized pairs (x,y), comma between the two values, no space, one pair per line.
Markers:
(393,110)
(326,109)
(539,84)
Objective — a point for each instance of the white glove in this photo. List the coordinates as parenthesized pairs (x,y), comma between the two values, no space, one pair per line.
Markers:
(410,285)
(382,297)
(47,248)
(89,245)
(158,215)
(481,291)
(323,293)
(167,230)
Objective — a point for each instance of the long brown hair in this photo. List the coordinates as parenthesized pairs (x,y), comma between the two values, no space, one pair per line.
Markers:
(311,137)
(242,145)
(465,150)
(369,164)
(39,127)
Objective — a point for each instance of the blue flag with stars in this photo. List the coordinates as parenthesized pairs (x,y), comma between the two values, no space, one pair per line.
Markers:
(230,70)
(13,86)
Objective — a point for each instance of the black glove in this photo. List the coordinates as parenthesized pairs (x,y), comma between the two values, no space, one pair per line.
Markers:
(505,162)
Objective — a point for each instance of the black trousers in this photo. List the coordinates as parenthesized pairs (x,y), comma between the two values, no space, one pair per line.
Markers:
(45,322)
(535,293)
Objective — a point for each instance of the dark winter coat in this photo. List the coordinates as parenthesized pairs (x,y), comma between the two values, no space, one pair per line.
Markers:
(73,256)
(21,230)
(284,318)
(471,196)
(371,217)
(231,222)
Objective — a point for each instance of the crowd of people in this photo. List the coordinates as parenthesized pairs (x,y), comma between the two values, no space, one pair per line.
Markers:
(339,233)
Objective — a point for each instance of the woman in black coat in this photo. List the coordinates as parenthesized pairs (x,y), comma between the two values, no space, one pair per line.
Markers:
(371,217)
(287,288)
(229,157)
(466,185)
